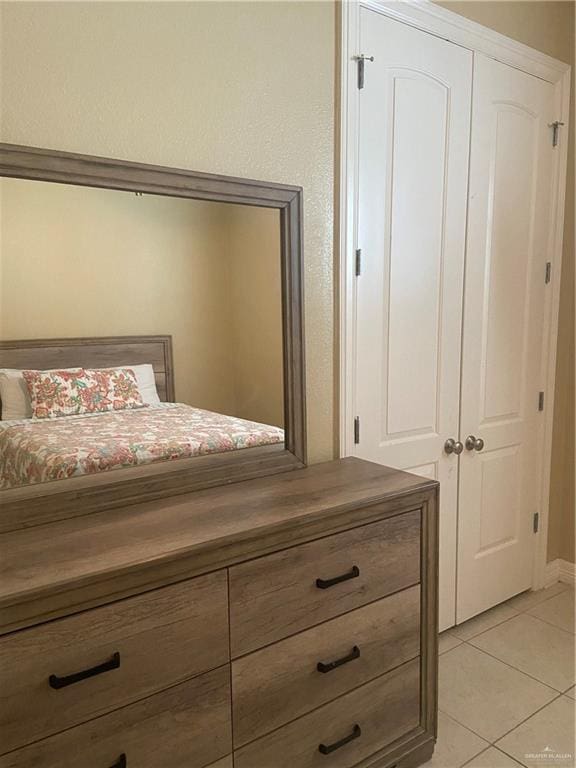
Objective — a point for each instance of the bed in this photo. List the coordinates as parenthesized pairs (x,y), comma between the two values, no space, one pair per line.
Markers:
(40,450)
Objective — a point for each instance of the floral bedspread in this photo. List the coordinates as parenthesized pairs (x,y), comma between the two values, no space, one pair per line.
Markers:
(35,451)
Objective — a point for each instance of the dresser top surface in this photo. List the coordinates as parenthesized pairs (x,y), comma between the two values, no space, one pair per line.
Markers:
(157,542)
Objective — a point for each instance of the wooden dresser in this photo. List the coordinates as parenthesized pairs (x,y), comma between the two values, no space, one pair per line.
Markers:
(284,622)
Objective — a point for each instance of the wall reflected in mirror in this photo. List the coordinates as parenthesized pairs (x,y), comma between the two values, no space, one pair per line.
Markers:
(91,263)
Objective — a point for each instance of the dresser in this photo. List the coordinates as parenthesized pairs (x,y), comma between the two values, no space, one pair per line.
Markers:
(284,622)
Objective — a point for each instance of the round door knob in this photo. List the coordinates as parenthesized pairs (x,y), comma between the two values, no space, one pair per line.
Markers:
(474,443)
(453,446)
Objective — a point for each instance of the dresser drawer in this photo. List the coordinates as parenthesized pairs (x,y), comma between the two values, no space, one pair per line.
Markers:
(279,683)
(187,725)
(158,639)
(349,729)
(281,594)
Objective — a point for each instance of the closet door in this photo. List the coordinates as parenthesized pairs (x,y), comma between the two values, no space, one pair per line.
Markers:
(413,166)
(508,240)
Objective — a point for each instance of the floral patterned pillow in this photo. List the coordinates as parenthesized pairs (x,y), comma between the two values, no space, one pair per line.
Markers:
(77,391)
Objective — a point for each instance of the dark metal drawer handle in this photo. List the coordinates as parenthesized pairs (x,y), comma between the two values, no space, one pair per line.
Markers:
(325,583)
(62,682)
(121,762)
(355,654)
(325,749)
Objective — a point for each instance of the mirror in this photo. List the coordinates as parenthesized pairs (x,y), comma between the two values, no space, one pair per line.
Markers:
(94,263)
(137,329)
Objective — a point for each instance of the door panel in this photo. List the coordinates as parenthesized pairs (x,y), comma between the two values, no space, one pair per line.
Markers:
(513,164)
(415,253)
(508,228)
(413,173)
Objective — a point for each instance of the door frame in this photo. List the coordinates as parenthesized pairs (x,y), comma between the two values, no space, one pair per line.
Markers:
(428,17)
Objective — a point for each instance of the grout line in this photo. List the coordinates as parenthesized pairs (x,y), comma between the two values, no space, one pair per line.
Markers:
(516,669)
(550,624)
(495,743)
(559,694)
(514,760)
(525,720)
(442,653)
(490,743)
(475,756)
(491,746)
(544,599)
(512,608)
(482,631)
(510,756)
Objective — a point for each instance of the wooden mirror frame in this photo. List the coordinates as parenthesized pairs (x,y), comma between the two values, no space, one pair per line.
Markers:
(60,499)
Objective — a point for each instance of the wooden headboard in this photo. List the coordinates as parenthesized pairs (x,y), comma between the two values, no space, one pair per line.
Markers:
(95,352)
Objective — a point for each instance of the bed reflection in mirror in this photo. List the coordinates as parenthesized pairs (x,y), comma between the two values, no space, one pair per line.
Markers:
(168,313)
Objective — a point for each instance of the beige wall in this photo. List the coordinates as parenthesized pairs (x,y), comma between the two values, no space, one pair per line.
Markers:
(548,26)
(239,88)
(76,261)
(89,262)
(256,318)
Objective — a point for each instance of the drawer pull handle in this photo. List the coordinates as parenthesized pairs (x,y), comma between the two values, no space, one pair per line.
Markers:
(355,654)
(62,682)
(325,749)
(122,762)
(326,583)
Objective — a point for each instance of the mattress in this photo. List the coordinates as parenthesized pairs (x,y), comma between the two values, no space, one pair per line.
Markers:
(39,450)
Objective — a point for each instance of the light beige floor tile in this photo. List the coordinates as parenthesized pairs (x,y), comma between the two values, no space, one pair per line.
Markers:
(492,758)
(484,621)
(447,641)
(529,599)
(539,649)
(455,744)
(571,693)
(547,738)
(486,695)
(559,610)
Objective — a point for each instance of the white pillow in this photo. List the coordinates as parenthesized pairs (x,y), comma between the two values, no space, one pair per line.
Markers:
(16,399)
(14,395)
(146,382)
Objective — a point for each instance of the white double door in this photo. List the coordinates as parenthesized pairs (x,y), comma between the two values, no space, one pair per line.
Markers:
(453,225)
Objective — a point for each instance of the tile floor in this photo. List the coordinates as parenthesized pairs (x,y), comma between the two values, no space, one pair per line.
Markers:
(506,686)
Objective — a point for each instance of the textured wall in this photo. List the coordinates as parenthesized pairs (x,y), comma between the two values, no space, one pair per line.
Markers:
(548,26)
(240,88)
(255,324)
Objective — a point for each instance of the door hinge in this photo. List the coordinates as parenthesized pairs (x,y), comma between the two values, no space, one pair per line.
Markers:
(555,128)
(536,522)
(361,58)
(540,401)
(358,263)
(548,272)
(357,430)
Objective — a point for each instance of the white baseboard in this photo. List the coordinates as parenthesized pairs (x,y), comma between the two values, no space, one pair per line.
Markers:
(567,572)
(560,570)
